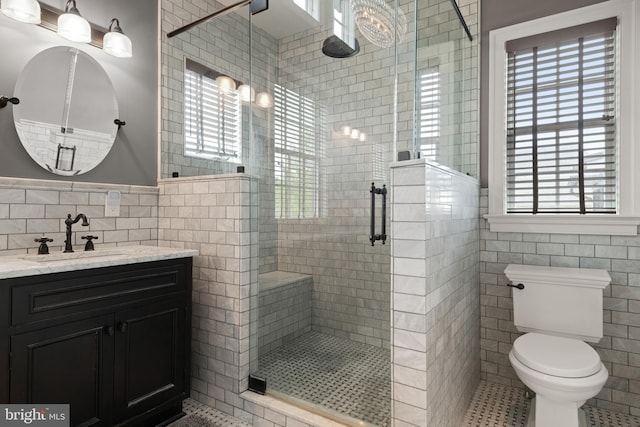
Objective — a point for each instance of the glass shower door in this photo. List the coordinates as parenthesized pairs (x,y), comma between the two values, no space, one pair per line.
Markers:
(320,323)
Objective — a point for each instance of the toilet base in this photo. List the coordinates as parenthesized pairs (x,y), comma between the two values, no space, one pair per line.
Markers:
(531,418)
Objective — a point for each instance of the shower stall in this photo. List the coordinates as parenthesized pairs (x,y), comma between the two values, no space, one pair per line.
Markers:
(310,101)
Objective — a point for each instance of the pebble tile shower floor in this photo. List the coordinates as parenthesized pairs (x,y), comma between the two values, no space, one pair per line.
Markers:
(346,377)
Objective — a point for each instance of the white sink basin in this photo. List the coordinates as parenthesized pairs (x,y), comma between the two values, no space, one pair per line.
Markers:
(62,256)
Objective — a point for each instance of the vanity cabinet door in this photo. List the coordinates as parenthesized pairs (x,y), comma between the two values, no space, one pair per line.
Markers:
(150,351)
(67,364)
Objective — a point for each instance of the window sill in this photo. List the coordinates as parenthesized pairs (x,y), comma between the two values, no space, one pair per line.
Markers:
(564,224)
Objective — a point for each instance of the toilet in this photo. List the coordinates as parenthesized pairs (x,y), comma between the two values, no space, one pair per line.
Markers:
(558,309)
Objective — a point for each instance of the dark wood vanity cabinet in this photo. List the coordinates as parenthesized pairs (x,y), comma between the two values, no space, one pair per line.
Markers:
(112,342)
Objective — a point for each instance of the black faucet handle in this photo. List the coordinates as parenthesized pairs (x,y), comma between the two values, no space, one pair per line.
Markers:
(89,245)
(43,249)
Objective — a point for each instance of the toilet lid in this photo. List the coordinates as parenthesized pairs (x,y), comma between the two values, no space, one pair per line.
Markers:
(560,357)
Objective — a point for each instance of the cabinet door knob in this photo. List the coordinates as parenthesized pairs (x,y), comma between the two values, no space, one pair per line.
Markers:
(108,330)
(122,326)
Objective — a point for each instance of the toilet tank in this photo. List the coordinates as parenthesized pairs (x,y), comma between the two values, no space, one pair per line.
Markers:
(558,301)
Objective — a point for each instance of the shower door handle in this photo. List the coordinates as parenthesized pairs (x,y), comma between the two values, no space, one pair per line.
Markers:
(372,233)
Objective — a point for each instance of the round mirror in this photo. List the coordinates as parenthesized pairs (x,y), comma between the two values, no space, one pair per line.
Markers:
(65,119)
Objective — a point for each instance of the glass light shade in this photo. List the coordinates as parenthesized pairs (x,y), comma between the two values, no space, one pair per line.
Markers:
(117,44)
(363,136)
(225,84)
(377,21)
(27,11)
(346,130)
(355,134)
(264,100)
(74,27)
(247,93)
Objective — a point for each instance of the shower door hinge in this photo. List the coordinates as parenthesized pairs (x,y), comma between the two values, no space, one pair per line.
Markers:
(257,384)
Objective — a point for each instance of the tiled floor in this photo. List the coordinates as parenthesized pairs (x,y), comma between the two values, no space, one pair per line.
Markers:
(493,405)
(497,405)
(199,415)
(342,376)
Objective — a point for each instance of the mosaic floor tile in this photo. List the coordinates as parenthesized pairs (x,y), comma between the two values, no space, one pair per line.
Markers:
(344,376)
(497,405)
(204,412)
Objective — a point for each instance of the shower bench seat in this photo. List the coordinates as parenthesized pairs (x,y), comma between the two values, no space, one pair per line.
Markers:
(285,308)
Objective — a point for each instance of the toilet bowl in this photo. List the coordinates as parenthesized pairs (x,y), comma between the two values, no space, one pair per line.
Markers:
(558,309)
(563,372)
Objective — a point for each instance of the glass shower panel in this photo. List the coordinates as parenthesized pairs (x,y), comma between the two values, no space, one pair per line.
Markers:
(320,322)
(446,86)
(206,115)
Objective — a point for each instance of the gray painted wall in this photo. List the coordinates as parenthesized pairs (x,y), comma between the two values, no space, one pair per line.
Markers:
(133,158)
(502,13)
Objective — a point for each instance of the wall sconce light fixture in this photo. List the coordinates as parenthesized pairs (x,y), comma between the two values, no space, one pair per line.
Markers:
(225,84)
(247,93)
(27,11)
(72,26)
(115,42)
(264,100)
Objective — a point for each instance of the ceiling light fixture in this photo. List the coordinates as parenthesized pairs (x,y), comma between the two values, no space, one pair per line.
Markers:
(72,26)
(377,22)
(27,11)
(115,42)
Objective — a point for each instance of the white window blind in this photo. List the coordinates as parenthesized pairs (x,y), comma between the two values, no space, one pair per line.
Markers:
(212,119)
(297,148)
(561,122)
(429,112)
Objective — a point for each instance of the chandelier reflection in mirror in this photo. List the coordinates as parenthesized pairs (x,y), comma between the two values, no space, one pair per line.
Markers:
(376,21)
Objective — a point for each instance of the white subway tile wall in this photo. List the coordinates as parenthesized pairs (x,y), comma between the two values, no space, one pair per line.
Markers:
(215,215)
(32,208)
(619,349)
(284,308)
(436,307)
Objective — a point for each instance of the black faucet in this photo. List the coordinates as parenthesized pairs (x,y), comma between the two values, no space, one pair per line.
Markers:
(69,222)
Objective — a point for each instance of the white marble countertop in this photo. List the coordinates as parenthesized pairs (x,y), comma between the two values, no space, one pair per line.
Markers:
(32,265)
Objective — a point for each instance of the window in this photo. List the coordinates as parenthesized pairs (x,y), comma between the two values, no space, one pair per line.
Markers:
(297,153)
(212,118)
(312,7)
(561,125)
(429,113)
(343,23)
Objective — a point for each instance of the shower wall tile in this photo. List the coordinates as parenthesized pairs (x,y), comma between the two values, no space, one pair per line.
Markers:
(436,307)
(619,349)
(31,208)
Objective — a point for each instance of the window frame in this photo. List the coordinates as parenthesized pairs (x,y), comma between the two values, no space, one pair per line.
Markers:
(627,218)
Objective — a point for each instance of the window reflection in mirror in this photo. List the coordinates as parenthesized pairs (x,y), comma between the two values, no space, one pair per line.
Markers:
(65,119)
